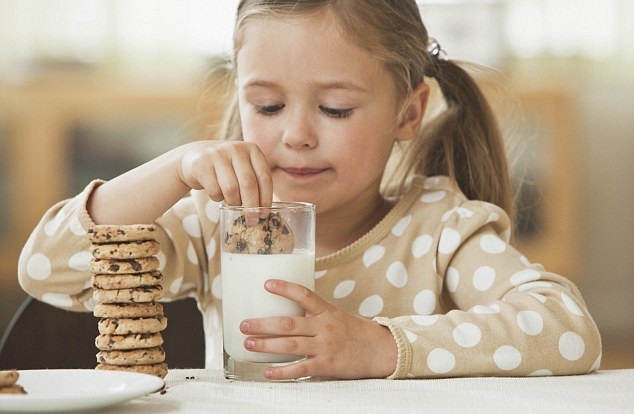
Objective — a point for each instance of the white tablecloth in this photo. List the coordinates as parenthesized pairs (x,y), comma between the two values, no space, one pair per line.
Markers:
(207,391)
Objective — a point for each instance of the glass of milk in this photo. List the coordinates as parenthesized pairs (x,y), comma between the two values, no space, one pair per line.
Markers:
(257,244)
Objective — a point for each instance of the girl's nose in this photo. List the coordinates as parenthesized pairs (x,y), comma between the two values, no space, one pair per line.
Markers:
(298,131)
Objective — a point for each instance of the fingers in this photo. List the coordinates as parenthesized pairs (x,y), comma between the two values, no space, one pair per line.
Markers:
(236,172)
(293,345)
(306,298)
(305,368)
(264,181)
(281,325)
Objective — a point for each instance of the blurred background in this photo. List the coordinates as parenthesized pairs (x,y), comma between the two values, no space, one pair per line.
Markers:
(92,88)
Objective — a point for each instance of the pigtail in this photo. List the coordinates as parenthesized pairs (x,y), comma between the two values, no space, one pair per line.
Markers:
(464,141)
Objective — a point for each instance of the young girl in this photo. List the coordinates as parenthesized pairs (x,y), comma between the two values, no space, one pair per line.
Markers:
(420,283)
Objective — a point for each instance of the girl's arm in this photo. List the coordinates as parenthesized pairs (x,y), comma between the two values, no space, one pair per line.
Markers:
(507,317)
(236,172)
(53,265)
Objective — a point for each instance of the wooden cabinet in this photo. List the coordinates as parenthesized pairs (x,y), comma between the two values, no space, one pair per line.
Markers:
(37,122)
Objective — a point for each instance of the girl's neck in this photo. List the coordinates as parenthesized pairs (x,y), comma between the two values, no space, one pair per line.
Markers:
(343,226)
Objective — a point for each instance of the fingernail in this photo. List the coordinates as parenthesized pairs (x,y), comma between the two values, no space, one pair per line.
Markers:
(268,373)
(249,343)
(244,327)
(270,284)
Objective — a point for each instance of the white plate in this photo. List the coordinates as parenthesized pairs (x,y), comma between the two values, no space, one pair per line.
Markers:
(55,390)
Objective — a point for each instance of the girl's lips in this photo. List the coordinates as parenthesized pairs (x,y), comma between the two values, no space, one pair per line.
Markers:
(304,172)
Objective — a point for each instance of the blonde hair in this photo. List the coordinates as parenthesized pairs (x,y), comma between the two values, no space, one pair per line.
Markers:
(463,142)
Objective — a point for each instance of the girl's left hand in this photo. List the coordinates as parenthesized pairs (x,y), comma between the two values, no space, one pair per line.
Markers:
(336,344)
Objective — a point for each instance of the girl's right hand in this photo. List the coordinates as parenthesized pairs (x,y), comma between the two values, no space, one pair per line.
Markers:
(234,171)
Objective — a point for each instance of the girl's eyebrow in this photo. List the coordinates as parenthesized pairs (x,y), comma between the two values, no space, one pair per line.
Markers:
(349,86)
(342,85)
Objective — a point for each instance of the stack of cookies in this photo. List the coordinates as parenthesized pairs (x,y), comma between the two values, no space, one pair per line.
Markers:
(127,285)
(9,382)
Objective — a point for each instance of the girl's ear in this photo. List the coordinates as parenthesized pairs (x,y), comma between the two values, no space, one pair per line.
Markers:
(413,112)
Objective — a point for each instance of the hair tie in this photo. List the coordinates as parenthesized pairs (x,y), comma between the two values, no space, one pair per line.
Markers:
(434,49)
(437,53)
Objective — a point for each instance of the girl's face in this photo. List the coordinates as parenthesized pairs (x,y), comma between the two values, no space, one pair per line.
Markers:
(322,110)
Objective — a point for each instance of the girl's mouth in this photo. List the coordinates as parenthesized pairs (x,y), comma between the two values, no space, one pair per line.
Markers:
(303,172)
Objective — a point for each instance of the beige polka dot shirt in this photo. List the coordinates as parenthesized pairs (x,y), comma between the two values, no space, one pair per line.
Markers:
(438,271)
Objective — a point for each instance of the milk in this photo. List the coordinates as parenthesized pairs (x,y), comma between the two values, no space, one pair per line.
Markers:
(244,296)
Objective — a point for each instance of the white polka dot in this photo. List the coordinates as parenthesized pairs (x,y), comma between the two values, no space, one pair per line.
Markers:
(507,358)
(596,365)
(400,227)
(425,302)
(191,254)
(483,278)
(431,182)
(449,241)
(452,279)
(465,212)
(212,211)
(373,255)
(441,361)
(424,320)
(534,285)
(467,335)
(421,245)
(90,304)
(411,336)
(320,274)
(541,373)
(524,276)
(80,261)
(486,310)
(61,300)
(88,284)
(52,225)
(189,287)
(343,289)
(175,286)
(461,211)
(38,267)
(433,197)
(162,260)
(492,244)
(216,287)
(571,346)
(211,248)
(397,274)
(371,306)
(191,224)
(538,296)
(530,322)
(206,281)
(76,228)
(493,217)
(571,305)
(538,266)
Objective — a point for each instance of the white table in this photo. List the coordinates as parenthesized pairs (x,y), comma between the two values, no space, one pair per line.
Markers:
(207,391)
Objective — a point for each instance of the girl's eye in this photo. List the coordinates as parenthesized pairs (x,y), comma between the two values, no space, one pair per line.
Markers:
(269,110)
(336,113)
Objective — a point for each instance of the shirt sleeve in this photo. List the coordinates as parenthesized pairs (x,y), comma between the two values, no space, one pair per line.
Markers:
(507,317)
(53,265)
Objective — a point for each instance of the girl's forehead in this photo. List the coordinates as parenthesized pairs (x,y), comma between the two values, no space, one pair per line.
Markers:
(300,48)
(323,22)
